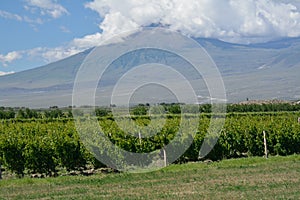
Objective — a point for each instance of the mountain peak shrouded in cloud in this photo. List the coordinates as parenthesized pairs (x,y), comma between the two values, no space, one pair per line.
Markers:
(234,21)
(237,21)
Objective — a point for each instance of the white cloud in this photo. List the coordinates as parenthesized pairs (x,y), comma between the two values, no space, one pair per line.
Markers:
(8,15)
(9,57)
(87,41)
(64,29)
(12,16)
(240,21)
(116,23)
(46,7)
(6,73)
(51,54)
(46,55)
(33,21)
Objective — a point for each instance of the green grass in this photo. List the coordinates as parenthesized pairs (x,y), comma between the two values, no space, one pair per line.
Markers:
(250,178)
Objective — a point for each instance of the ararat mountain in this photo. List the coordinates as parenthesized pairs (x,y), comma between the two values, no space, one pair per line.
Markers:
(257,71)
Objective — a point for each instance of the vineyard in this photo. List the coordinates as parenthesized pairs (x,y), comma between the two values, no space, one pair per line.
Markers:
(47,146)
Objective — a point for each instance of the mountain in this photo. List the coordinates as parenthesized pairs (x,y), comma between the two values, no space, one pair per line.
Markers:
(257,71)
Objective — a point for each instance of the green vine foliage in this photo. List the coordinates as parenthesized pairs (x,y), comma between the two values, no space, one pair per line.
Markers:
(47,145)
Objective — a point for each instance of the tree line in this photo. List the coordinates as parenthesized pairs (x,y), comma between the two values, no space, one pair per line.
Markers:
(142,109)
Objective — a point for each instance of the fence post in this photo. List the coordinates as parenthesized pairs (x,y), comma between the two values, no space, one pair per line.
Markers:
(265,144)
(165,157)
(140,138)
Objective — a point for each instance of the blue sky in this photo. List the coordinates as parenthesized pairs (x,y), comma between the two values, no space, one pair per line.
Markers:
(77,22)
(37,32)
(24,29)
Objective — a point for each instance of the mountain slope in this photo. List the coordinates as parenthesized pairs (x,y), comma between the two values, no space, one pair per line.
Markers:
(57,73)
(257,71)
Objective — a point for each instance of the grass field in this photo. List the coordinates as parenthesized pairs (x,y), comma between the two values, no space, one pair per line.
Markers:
(249,178)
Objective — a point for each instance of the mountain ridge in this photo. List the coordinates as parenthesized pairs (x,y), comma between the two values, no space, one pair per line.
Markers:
(255,71)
